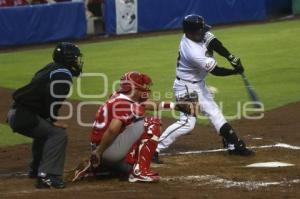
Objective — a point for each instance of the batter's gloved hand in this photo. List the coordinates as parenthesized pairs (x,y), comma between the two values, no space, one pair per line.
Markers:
(239,68)
(234,61)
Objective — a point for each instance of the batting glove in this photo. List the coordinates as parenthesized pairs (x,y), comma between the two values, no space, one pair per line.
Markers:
(234,61)
(239,69)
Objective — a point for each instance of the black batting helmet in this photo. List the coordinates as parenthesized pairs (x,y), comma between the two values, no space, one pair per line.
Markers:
(69,55)
(193,23)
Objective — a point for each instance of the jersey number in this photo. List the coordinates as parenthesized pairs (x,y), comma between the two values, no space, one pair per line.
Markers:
(104,117)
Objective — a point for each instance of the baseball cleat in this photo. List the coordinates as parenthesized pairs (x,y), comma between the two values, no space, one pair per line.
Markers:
(144,177)
(241,150)
(152,173)
(244,152)
(49,182)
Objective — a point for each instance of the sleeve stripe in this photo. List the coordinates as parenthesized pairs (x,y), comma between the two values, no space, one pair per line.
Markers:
(208,37)
(61,70)
(209,40)
(212,67)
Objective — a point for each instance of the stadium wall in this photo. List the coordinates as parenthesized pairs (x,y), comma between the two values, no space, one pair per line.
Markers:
(296,7)
(154,15)
(42,23)
(278,7)
(51,22)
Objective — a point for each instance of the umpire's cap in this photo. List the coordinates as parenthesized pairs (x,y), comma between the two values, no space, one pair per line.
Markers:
(69,55)
(194,23)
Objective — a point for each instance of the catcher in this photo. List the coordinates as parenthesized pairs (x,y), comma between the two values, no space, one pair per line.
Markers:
(123,139)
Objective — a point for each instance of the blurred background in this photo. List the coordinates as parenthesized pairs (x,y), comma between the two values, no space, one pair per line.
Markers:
(39,21)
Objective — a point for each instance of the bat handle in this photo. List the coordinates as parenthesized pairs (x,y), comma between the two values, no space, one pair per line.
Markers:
(243,75)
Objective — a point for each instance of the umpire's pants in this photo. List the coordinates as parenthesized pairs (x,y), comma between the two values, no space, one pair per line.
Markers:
(48,147)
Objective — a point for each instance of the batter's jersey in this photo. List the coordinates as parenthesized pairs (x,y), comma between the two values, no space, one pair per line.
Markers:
(208,37)
(120,107)
(194,62)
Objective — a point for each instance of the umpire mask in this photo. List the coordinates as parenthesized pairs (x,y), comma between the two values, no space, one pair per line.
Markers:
(69,55)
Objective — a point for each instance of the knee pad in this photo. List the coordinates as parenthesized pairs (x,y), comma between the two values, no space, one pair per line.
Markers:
(152,127)
(228,134)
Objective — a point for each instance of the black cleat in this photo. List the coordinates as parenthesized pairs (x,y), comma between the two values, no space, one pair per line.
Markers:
(155,158)
(50,181)
(241,150)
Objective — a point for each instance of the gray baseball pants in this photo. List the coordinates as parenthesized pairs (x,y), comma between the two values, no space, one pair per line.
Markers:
(48,147)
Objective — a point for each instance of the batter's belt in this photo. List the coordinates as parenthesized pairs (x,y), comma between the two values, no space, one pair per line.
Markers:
(193,82)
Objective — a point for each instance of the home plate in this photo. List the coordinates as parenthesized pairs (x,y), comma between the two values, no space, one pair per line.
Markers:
(270,164)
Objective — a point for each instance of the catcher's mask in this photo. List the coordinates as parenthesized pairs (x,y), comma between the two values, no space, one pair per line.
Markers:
(194,25)
(138,81)
(69,55)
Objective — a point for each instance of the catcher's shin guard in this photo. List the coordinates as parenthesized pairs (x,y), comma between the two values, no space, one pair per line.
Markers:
(144,152)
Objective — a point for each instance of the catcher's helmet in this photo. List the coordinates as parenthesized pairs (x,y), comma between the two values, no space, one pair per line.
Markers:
(69,55)
(138,81)
(193,23)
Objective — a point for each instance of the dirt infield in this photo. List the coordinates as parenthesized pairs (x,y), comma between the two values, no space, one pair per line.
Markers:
(203,173)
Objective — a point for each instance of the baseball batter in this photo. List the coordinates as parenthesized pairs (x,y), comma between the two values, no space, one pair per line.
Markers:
(194,63)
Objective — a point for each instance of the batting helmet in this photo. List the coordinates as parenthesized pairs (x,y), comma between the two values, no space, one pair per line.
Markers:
(68,54)
(193,23)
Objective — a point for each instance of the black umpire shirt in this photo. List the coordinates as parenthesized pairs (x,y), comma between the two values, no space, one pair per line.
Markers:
(49,85)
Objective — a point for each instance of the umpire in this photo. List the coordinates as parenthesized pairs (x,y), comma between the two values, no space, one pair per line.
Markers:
(34,109)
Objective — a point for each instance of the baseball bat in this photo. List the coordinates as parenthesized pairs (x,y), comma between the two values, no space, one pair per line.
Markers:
(252,94)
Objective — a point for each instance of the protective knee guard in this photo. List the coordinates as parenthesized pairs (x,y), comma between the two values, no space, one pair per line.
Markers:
(228,134)
(142,152)
(234,145)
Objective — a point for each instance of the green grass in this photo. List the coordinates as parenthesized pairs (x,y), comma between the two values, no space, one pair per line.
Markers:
(269,52)
(7,137)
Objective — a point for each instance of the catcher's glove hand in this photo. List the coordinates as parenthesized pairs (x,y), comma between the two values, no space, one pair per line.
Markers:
(95,159)
(186,103)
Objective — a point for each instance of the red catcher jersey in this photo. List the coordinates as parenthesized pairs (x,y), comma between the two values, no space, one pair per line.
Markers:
(120,107)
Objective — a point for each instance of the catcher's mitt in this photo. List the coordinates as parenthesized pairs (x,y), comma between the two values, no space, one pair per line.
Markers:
(83,170)
(186,103)
(86,168)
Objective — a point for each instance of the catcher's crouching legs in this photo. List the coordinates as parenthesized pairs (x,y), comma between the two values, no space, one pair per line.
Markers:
(143,152)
